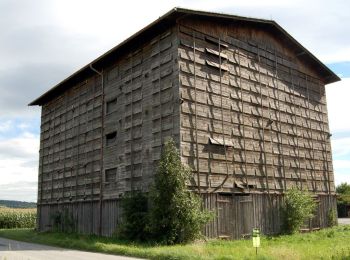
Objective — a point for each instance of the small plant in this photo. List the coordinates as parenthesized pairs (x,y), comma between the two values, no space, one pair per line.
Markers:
(332,218)
(176,214)
(63,221)
(330,233)
(135,217)
(298,206)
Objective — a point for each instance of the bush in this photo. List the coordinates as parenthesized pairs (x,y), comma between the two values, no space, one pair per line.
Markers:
(176,213)
(298,206)
(135,217)
(63,221)
(332,218)
(343,199)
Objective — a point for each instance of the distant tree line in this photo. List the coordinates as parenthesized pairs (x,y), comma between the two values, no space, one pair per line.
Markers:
(17,204)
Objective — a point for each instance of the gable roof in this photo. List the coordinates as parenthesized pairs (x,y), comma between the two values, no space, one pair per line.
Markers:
(168,20)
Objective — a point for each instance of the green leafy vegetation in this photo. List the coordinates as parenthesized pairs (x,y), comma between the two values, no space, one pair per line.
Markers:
(175,215)
(298,207)
(135,217)
(17,218)
(332,218)
(343,200)
(63,221)
(331,243)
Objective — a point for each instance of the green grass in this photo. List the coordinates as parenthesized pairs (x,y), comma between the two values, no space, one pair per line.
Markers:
(325,244)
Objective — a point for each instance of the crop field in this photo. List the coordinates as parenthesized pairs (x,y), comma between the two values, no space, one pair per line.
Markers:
(17,218)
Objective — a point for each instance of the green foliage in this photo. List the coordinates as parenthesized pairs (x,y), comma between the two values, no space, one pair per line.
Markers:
(297,207)
(17,218)
(135,217)
(332,218)
(343,188)
(63,221)
(176,213)
(343,199)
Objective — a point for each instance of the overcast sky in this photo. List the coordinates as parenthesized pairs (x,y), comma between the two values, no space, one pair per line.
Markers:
(42,42)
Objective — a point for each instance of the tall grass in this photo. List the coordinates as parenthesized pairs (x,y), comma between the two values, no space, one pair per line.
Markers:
(331,243)
(17,218)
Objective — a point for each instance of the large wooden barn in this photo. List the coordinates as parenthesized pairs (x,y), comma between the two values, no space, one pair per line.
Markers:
(244,101)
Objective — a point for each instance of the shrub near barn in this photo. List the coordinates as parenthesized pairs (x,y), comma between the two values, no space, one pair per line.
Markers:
(17,218)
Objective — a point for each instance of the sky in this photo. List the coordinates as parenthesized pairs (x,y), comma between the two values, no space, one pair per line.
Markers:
(44,41)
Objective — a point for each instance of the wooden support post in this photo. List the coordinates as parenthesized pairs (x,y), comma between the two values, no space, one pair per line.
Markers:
(296,132)
(269,122)
(65,143)
(78,148)
(242,124)
(92,127)
(324,146)
(72,157)
(92,163)
(160,97)
(279,131)
(297,139)
(131,130)
(263,126)
(102,115)
(195,111)
(296,126)
(52,155)
(102,151)
(222,116)
(311,132)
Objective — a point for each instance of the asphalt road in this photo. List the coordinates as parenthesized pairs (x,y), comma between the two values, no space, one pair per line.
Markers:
(344,221)
(15,250)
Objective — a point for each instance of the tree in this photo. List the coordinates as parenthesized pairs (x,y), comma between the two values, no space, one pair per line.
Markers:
(298,206)
(343,188)
(343,201)
(176,213)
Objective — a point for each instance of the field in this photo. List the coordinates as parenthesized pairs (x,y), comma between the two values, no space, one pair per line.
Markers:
(17,218)
(325,244)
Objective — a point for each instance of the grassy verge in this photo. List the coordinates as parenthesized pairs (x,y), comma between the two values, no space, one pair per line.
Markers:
(325,244)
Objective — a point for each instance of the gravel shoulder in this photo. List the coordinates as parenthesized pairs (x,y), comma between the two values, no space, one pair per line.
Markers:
(13,250)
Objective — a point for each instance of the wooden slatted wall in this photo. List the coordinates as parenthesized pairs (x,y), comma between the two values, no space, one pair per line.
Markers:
(265,114)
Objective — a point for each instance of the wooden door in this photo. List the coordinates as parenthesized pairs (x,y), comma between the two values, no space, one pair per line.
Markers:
(244,216)
(225,215)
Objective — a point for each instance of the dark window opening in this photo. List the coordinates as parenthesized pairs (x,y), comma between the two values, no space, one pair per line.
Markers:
(111,105)
(111,138)
(111,175)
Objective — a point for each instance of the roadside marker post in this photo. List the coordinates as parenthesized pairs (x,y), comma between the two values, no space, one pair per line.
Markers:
(256,239)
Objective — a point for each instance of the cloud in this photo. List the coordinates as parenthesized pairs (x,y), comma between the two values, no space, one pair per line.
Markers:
(319,25)
(25,83)
(341,170)
(43,42)
(338,105)
(21,190)
(19,159)
(341,147)
(12,127)
(5,126)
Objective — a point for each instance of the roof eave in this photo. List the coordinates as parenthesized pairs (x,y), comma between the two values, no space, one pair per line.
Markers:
(172,15)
